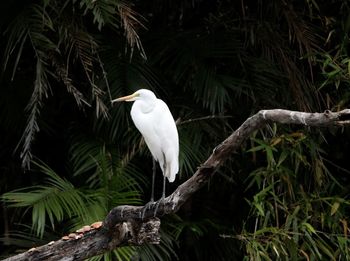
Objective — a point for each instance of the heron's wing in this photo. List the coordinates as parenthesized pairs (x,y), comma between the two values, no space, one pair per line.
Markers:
(159,131)
(167,132)
(145,123)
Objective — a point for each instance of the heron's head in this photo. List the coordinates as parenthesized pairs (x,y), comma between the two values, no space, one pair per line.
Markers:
(141,94)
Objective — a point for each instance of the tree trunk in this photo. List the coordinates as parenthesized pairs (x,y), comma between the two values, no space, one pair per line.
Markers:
(124,225)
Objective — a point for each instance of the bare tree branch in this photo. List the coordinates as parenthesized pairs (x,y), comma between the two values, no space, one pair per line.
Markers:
(124,225)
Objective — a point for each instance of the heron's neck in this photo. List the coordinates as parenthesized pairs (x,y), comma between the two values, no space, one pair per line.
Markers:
(146,106)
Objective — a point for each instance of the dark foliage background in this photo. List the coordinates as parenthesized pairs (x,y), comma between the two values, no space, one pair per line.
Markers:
(67,155)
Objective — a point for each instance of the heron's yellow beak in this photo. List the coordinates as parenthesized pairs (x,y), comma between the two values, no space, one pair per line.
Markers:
(128,98)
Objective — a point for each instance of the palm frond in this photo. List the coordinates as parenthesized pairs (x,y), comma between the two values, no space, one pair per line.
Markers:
(191,153)
(62,75)
(117,184)
(201,65)
(104,12)
(56,199)
(106,172)
(122,253)
(303,32)
(25,238)
(85,48)
(41,87)
(17,37)
(31,25)
(130,20)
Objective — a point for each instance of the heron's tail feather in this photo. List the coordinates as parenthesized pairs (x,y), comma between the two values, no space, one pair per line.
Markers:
(171,170)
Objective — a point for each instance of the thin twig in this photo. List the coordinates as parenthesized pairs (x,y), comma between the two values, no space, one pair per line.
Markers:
(179,122)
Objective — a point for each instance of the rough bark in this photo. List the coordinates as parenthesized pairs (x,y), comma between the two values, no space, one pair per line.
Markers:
(124,225)
(79,246)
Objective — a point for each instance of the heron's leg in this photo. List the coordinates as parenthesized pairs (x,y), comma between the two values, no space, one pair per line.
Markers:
(153,179)
(164,181)
(161,200)
(151,202)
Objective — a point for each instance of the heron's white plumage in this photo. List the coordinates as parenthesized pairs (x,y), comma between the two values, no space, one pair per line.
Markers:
(153,119)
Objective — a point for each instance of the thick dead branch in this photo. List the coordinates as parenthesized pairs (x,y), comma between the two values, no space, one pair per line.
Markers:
(124,226)
(79,246)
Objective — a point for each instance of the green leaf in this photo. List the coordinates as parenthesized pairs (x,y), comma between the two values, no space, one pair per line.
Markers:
(309,227)
(335,207)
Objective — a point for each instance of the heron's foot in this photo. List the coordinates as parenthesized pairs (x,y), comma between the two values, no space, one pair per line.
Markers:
(160,201)
(149,205)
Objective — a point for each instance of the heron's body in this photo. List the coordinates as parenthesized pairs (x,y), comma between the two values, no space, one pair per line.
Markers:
(153,119)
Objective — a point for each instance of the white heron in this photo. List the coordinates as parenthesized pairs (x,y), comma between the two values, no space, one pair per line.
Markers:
(153,119)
